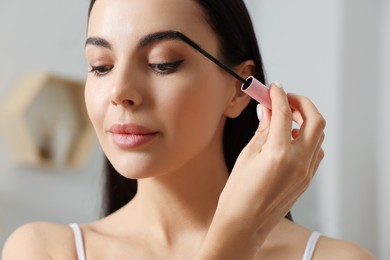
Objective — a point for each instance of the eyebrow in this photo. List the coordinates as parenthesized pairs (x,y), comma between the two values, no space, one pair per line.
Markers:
(144,42)
(98,42)
(156,37)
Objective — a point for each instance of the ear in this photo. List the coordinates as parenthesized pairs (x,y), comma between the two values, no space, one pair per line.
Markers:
(239,100)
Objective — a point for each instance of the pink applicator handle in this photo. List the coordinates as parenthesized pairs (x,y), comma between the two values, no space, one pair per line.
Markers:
(258,91)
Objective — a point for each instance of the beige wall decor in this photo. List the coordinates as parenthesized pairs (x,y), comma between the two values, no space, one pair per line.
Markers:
(45,121)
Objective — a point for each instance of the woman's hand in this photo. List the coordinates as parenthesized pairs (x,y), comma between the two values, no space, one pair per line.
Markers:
(270,174)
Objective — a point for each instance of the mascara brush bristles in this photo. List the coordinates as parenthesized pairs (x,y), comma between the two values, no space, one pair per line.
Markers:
(208,55)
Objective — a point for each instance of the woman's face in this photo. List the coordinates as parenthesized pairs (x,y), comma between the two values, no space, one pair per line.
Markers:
(156,104)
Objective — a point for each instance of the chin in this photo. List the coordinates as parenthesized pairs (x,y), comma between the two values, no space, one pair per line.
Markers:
(133,170)
(143,169)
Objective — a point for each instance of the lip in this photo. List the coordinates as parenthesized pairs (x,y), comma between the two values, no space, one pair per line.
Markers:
(131,135)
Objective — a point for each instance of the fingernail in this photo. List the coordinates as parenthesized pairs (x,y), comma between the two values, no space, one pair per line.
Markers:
(276,83)
(259,112)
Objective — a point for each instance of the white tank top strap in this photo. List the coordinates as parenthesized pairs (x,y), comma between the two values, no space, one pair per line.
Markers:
(311,246)
(78,237)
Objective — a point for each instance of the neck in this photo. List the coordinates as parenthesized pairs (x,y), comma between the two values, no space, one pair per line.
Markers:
(184,200)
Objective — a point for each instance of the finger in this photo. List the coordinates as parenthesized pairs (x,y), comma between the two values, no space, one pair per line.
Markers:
(280,126)
(313,123)
(295,133)
(261,134)
(297,120)
(297,117)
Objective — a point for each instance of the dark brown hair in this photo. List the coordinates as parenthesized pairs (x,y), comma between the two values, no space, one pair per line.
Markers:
(231,22)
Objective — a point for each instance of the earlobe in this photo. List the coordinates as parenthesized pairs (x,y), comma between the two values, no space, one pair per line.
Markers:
(239,99)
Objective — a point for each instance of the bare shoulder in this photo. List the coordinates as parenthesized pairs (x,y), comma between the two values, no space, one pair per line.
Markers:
(329,248)
(40,240)
(295,237)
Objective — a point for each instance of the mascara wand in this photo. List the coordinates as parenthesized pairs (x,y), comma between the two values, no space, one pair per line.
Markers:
(251,86)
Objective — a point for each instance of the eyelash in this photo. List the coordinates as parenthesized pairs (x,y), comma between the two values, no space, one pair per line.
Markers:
(100,71)
(160,68)
(165,68)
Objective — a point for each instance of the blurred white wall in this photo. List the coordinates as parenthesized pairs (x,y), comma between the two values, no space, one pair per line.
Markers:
(44,35)
(335,52)
(383,130)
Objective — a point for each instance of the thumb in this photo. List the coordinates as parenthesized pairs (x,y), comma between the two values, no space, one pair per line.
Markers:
(261,134)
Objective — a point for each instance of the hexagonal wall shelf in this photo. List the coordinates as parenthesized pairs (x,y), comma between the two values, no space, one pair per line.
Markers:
(45,121)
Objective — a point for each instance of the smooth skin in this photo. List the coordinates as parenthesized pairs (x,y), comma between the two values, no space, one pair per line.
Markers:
(187,206)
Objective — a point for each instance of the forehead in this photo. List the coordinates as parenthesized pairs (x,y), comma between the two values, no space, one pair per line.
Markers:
(139,17)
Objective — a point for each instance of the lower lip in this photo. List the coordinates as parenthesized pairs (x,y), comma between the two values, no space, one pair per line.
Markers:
(132,141)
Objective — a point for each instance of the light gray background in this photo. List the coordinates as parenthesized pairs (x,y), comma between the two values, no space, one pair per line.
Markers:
(336,52)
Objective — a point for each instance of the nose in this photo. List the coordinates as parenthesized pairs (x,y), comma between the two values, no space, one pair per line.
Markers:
(125,92)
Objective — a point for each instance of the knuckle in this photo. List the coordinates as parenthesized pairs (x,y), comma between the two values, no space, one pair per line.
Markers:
(321,155)
(319,122)
(305,99)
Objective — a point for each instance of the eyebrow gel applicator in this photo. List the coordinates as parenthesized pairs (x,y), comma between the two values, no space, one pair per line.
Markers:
(250,86)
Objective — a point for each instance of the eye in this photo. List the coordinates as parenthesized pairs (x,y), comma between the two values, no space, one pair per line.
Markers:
(165,68)
(100,71)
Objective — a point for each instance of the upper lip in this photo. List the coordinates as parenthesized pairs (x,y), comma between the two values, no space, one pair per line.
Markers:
(130,129)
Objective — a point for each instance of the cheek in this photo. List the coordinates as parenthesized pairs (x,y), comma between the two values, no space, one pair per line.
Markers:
(194,110)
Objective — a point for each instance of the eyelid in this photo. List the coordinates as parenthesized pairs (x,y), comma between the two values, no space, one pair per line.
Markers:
(176,62)
(101,70)
(170,67)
